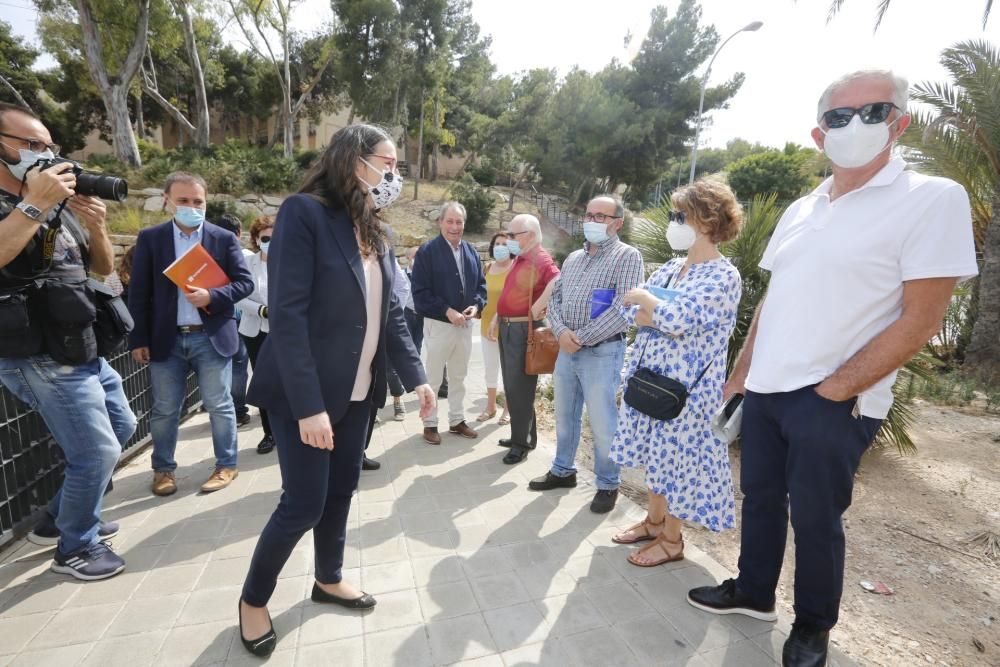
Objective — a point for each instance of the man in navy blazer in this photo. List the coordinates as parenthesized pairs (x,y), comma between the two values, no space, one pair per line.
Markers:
(177,331)
(449,291)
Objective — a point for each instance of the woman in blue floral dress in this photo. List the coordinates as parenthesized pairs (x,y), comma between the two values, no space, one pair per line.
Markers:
(686,312)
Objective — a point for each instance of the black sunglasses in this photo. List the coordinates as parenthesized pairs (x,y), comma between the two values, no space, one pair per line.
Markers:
(265,239)
(514,235)
(677,216)
(871,114)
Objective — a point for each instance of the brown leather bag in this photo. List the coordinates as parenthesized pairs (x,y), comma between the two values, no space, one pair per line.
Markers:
(543,348)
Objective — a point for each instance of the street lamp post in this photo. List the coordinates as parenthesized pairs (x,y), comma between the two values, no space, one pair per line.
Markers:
(751,27)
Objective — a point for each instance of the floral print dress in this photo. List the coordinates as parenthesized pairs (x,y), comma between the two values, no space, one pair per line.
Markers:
(684,461)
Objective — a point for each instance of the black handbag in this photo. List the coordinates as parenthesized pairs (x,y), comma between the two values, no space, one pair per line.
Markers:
(655,395)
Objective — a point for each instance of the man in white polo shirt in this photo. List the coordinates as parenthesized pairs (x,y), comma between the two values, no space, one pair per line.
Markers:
(862,270)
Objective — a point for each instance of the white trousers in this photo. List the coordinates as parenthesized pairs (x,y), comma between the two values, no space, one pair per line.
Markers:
(491,359)
(451,345)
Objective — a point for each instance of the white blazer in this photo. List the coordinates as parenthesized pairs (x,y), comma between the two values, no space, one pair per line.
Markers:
(251,323)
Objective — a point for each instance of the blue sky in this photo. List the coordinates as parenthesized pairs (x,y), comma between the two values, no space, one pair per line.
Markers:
(788,62)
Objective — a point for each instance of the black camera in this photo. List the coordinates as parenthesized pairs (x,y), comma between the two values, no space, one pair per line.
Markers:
(111,188)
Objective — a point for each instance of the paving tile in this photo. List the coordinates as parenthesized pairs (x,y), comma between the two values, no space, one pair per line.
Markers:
(132,651)
(743,653)
(617,602)
(499,590)
(549,653)
(75,626)
(599,648)
(47,594)
(343,652)
(394,610)
(654,640)
(569,614)
(17,631)
(146,615)
(390,551)
(116,589)
(485,562)
(432,570)
(461,638)
(387,578)
(210,605)
(377,531)
(324,622)
(546,581)
(240,657)
(415,524)
(438,543)
(246,525)
(447,600)
(201,644)
(703,631)
(403,647)
(187,553)
(593,570)
(53,657)
(201,529)
(516,626)
(235,546)
(223,573)
(169,580)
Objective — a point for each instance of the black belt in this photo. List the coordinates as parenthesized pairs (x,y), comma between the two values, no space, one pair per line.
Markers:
(613,339)
(190,328)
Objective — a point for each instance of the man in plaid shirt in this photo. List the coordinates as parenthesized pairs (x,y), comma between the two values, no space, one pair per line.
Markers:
(585,315)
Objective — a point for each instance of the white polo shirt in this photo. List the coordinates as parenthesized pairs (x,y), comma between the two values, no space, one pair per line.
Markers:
(837,273)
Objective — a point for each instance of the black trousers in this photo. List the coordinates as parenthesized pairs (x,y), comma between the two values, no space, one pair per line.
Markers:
(800,450)
(518,387)
(253,349)
(317,486)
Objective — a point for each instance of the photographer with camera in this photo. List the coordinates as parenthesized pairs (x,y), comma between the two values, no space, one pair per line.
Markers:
(50,332)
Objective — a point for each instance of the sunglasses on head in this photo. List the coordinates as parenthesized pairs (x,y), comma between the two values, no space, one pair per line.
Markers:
(265,239)
(871,114)
(677,216)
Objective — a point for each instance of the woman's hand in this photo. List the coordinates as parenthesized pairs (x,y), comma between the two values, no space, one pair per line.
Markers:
(428,399)
(316,431)
(642,298)
(644,319)
(491,331)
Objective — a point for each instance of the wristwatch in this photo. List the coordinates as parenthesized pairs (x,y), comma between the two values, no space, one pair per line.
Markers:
(32,212)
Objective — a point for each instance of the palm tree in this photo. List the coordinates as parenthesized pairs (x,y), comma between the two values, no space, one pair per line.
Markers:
(959,138)
(883,7)
(745,252)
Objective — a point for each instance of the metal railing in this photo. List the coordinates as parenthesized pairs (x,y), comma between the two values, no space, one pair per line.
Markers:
(31,462)
(554,208)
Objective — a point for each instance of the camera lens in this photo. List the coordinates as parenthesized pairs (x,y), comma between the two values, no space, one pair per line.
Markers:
(111,188)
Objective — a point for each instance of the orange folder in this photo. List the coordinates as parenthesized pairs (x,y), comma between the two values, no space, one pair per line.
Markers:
(196,268)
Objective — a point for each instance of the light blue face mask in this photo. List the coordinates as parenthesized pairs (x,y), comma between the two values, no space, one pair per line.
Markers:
(501,252)
(190,217)
(514,247)
(264,246)
(595,232)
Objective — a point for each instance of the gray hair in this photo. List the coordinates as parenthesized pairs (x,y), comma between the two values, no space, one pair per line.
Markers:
(451,206)
(531,224)
(900,88)
(619,206)
(183,177)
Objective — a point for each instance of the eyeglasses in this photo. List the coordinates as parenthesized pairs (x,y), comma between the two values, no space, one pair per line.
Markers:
(600,217)
(35,145)
(871,114)
(390,161)
(514,235)
(265,239)
(677,216)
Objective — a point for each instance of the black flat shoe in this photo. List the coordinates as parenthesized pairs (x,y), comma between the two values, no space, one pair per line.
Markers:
(370,464)
(364,602)
(505,442)
(264,645)
(515,455)
(266,445)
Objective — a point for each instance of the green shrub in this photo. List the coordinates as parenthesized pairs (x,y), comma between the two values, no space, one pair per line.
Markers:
(477,200)
(230,168)
(485,174)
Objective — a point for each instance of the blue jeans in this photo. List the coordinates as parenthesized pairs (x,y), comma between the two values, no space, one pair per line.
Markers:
(86,410)
(590,377)
(239,390)
(169,378)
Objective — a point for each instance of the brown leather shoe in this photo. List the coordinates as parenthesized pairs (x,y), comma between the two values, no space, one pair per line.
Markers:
(431,436)
(164,484)
(462,429)
(220,479)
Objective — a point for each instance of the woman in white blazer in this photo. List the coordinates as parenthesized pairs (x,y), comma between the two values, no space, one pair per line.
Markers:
(253,309)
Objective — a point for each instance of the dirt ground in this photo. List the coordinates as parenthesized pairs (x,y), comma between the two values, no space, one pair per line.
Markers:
(908,528)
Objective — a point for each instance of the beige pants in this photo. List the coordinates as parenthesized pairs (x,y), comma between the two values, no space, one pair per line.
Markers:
(451,345)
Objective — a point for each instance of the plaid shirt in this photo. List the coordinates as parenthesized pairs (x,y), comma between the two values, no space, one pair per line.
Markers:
(616,266)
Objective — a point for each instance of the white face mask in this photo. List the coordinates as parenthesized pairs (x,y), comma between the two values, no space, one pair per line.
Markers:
(28,158)
(681,237)
(856,144)
(389,187)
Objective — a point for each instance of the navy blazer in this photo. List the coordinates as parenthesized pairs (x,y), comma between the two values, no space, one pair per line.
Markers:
(437,284)
(317,317)
(152,297)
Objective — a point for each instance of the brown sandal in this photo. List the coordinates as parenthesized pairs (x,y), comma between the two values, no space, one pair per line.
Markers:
(661,541)
(645,525)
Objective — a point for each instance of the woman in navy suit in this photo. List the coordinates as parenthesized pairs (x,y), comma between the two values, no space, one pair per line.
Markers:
(335,323)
